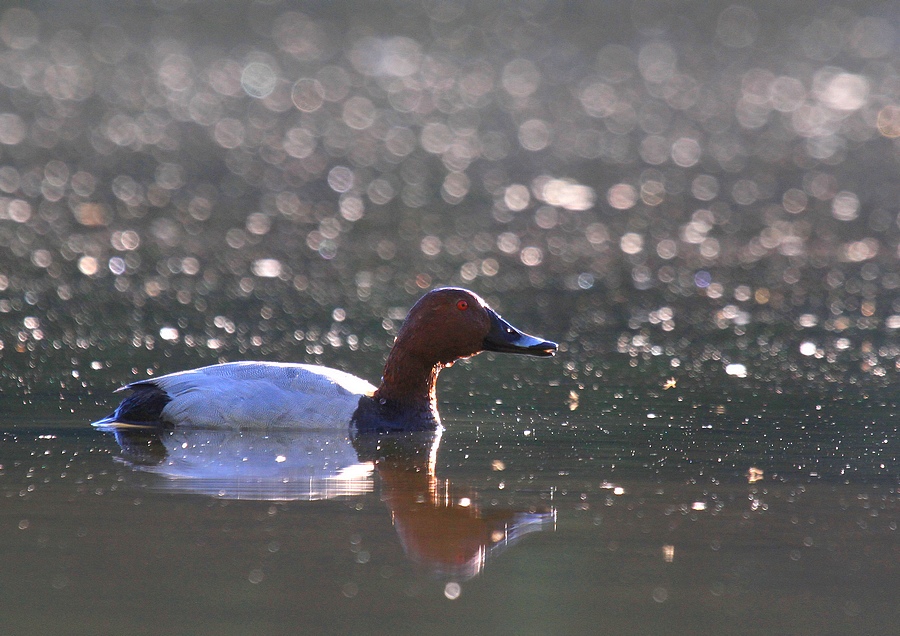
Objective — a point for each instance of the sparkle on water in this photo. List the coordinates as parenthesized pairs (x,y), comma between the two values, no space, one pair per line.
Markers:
(698,201)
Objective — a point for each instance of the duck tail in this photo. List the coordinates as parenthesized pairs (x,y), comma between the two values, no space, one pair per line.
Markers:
(142,409)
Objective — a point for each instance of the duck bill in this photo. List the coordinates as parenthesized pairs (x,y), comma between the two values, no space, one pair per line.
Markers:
(505,338)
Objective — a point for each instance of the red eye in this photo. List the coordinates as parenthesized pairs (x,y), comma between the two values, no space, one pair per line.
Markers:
(462,305)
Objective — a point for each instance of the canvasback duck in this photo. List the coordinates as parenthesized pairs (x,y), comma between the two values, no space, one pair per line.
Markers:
(446,324)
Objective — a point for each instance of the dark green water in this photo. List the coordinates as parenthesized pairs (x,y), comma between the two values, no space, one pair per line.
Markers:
(697,201)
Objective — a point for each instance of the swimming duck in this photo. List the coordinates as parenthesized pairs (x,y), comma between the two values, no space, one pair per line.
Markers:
(446,324)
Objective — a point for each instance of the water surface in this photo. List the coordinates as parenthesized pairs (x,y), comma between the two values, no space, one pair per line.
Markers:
(630,512)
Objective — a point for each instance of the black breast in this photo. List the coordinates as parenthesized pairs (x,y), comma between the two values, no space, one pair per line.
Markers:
(382,416)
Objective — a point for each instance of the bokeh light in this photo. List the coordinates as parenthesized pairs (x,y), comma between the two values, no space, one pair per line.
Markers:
(740,172)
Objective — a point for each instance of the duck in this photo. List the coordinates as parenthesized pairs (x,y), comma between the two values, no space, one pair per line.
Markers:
(445,325)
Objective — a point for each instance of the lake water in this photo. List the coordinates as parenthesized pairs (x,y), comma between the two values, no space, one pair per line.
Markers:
(630,510)
(697,201)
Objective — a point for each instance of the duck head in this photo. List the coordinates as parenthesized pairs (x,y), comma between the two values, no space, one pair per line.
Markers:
(445,325)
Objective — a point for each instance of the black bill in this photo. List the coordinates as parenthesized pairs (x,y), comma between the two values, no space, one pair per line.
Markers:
(505,338)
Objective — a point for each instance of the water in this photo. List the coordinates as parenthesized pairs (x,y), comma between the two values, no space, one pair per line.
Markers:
(697,202)
(631,511)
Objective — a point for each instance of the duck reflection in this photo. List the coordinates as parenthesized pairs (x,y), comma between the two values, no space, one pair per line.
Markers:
(253,465)
(441,526)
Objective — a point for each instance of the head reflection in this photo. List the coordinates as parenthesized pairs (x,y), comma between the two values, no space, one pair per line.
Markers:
(441,526)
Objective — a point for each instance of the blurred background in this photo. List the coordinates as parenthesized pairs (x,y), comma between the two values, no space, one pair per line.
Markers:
(691,184)
(699,200)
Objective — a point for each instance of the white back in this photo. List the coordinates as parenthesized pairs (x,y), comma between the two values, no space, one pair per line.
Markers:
(262,395)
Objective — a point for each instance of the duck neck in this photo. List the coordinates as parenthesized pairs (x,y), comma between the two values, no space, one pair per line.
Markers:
(408,382)
(405,401)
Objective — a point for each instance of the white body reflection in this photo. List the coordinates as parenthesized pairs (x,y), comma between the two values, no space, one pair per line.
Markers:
(441,526)
(256,465)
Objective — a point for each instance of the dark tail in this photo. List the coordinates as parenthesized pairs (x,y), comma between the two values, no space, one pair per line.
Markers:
(142,408)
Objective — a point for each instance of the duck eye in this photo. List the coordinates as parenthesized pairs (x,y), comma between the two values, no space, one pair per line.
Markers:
(462,305)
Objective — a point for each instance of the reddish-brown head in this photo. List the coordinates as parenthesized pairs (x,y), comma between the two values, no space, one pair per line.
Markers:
(447,324)
(444,325)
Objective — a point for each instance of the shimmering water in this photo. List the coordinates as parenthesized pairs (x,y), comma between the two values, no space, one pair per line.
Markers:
(699,202)
(628,510)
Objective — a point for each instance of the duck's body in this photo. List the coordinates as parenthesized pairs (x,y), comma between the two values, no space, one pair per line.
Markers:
(246,395)
(445,325)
